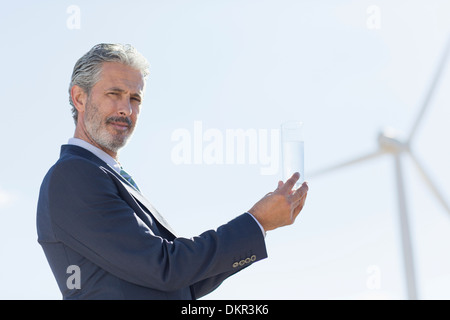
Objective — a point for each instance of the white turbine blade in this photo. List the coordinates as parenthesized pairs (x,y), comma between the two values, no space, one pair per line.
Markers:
(431,89)
(408,258)
(430,183)
(348,163)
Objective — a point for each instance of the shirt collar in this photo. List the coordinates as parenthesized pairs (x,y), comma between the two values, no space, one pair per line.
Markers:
(96,151)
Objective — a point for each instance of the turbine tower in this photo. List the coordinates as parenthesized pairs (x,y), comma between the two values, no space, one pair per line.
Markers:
(390,143)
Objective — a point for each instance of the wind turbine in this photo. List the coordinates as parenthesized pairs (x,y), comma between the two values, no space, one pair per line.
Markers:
(390,143)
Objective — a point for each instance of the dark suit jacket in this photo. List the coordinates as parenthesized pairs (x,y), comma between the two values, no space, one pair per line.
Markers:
(88,216)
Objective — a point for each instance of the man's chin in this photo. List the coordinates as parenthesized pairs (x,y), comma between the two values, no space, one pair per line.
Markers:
(108,138)
(117,145)
(114,144)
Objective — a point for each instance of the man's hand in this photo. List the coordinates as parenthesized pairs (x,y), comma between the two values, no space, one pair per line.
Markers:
(281,207)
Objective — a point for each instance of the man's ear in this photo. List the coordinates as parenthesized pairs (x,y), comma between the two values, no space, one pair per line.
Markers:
(79,98)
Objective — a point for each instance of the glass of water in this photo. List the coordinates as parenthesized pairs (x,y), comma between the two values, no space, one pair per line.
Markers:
(292,150)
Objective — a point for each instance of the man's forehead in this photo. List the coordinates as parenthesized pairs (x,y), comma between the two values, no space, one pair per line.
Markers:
(121,77)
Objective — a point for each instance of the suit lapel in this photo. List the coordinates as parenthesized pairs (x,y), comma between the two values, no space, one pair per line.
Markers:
(105,167)
(139,197)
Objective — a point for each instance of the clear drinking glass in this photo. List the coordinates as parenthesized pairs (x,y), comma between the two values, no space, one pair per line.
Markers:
(292,146)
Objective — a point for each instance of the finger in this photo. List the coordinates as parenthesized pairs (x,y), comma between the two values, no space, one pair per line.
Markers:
(280,184)
(299,193)
(299,207)
(287,187)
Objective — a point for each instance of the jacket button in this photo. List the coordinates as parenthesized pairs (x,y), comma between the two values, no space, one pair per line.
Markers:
(235,265)
(253,258)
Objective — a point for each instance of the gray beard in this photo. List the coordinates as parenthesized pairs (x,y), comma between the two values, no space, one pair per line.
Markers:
(97,131)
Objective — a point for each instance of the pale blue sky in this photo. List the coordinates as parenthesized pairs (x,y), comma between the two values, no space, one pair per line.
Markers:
(245,65)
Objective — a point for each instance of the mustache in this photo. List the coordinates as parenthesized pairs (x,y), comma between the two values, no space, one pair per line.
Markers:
(119,119)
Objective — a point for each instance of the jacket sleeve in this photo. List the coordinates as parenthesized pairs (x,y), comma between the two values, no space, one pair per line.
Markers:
(89,216)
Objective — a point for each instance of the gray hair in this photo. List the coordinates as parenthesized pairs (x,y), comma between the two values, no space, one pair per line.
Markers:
(86,72)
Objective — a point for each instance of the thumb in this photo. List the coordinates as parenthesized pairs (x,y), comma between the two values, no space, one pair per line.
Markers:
(280,184)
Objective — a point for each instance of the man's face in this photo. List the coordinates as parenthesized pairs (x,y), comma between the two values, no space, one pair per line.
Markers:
(113,106)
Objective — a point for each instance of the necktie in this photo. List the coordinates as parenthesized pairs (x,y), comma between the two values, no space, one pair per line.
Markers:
(127,177)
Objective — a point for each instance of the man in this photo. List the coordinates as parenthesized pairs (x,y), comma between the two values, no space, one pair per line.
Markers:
(101,236)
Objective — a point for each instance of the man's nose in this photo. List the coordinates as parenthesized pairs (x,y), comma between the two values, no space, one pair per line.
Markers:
(125,109)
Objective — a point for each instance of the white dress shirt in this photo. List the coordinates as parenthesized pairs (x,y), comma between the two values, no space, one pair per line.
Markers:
(98,152)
